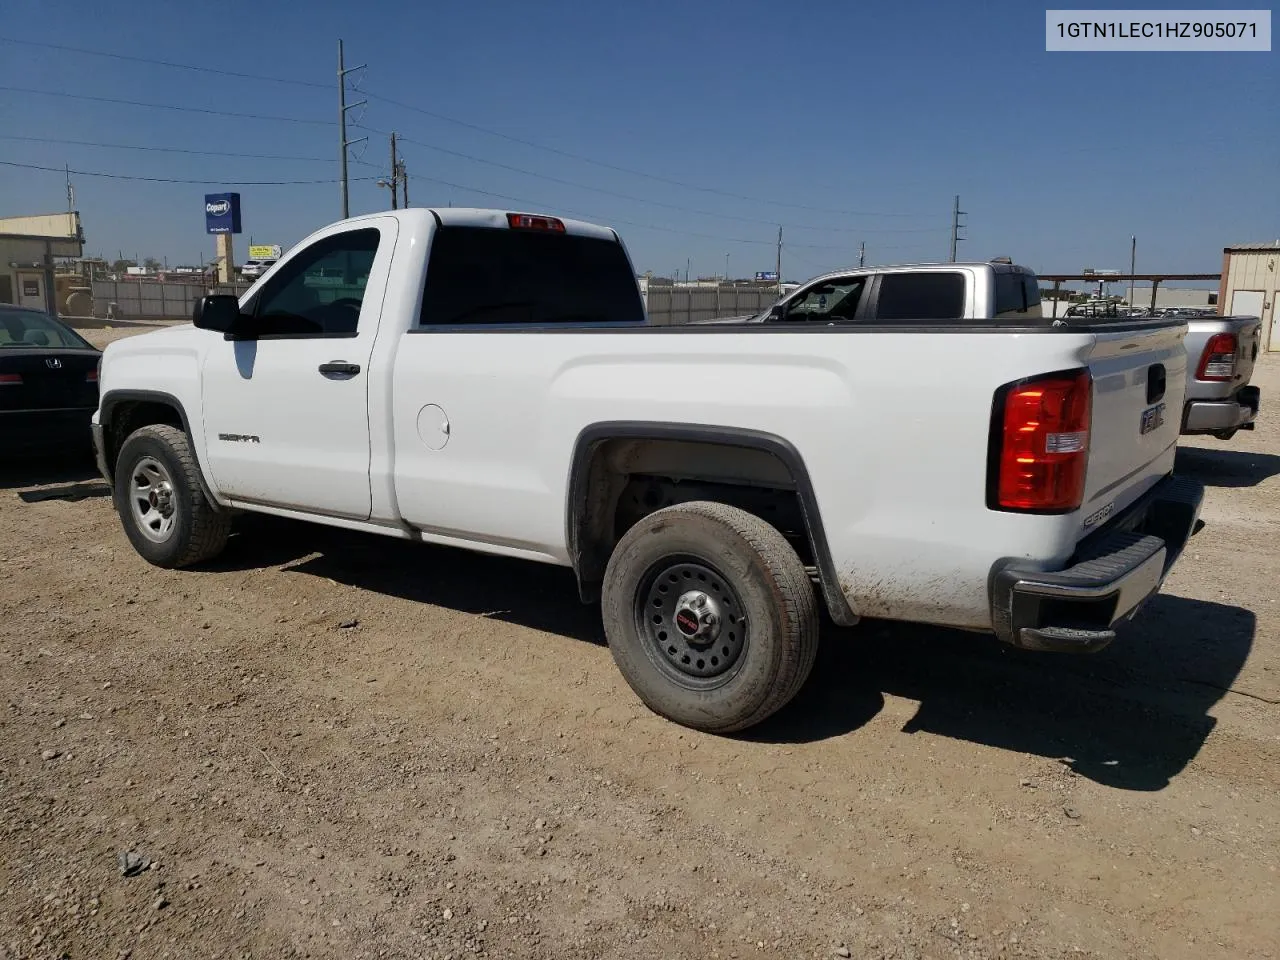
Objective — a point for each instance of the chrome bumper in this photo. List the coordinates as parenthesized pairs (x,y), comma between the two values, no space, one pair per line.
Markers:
(1214,416)
(1111,576)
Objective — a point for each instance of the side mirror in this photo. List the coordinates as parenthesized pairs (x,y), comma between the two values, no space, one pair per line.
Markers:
(220,312)
(776,312)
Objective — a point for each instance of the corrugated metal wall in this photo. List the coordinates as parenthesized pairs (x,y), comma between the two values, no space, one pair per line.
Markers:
(674,305)
(154,299)
(1257,271)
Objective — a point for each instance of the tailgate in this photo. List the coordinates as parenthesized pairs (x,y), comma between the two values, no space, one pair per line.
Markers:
(1248,331)
(1139,380)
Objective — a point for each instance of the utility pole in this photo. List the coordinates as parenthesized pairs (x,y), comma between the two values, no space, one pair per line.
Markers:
(1133,262)
(395,173)
(956,214)
(688,263)
(779,263)
(862,252)
(726,268)
(404,184)
(71,191)
(344,143)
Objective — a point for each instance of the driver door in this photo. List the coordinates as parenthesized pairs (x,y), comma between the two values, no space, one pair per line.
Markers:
(286,411)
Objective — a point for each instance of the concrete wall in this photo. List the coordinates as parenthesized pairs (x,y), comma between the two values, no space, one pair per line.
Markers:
(1255,270)
(1167,296)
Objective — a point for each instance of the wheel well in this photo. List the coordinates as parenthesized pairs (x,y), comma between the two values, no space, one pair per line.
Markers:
(128,415)
(622,480)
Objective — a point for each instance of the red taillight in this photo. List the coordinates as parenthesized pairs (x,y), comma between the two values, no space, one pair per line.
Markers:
(1044,443)
(91,376)
(1218,362)
(525,221)
(10,378)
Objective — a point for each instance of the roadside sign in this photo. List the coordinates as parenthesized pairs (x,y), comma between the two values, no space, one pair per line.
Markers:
(263,251)
(766,275)
(222,213)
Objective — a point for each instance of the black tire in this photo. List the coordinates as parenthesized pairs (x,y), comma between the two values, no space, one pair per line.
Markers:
(726,681)
(196,531)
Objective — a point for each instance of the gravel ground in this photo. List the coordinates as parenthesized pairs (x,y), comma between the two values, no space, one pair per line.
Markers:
(335,745)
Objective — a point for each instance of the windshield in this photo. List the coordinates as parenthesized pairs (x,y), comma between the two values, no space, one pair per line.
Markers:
(30,328)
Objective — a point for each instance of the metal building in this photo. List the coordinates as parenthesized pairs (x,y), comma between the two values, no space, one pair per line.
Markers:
(1249,286)
(28,246)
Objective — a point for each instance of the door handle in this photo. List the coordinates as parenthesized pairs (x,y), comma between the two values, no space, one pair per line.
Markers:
(340,367)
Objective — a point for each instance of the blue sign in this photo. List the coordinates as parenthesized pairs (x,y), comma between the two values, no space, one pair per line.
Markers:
(763,275)
(222,213)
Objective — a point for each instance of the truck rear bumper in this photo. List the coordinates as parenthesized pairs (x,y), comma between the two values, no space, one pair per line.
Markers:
(1214,416)
(1109,579)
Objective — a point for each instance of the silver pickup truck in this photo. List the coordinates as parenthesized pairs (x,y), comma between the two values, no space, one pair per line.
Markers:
(1220,355)
(1220,350)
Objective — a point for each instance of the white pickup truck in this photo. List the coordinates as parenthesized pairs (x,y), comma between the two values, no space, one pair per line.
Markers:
(489,380)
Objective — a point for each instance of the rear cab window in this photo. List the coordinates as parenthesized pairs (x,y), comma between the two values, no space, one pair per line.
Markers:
(490,276)
(1017,295)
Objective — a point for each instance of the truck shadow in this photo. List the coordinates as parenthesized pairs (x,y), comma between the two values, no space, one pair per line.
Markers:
(1226,468)
(77,474)
(521,592)
(1132,716)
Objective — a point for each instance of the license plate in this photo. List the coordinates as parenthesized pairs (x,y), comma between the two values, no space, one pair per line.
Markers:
(1152,419)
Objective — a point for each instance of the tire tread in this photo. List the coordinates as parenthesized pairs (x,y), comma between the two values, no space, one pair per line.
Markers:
(792,589)
(210,527)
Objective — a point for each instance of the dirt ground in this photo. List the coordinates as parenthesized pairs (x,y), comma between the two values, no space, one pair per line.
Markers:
(335,745)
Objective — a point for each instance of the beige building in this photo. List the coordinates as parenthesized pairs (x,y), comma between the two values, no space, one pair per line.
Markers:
(1249,285)
(28,246)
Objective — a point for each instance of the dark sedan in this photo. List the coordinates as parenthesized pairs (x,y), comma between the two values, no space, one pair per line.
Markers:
(48,385)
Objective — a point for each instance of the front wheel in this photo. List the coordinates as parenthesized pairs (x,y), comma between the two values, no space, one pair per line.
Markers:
(161,504)
(710,616)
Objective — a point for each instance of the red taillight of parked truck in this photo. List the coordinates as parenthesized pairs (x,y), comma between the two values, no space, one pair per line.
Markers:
(1040,444)
(1218,361)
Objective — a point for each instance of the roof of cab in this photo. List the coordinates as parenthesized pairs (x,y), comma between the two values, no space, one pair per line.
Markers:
(493,218)
(993,266)
(489,217)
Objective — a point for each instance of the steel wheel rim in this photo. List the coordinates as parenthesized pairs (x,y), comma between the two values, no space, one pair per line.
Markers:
(152,500)
(677,631)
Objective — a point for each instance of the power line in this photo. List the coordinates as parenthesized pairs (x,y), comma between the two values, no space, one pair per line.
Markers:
(147,148)
(215,183)
(165,106)
(635,173)
(163,63)
(599,219)
(453,120)
(634,199)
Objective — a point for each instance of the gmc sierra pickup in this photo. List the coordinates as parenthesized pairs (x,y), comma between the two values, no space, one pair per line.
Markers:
(489,380)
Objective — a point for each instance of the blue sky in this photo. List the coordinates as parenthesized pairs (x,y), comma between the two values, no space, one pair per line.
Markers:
(863,119)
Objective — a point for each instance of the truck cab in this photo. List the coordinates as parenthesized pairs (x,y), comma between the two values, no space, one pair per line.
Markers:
(909,294)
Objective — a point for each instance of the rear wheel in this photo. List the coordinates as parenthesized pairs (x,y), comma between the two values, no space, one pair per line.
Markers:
(710,616)
(161,504)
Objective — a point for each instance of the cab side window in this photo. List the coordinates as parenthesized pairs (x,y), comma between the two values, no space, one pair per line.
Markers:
(834,301)
(931,295)
(319,292)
